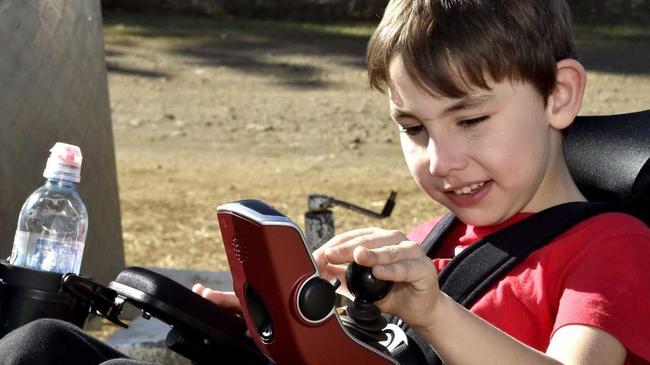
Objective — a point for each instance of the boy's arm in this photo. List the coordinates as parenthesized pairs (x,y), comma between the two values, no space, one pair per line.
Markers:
(460,337)
(456,334)
(601,347)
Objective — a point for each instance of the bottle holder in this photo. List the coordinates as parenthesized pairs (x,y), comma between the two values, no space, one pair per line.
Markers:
(27,295)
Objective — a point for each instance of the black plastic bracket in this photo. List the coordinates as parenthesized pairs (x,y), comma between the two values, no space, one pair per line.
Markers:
(103,301)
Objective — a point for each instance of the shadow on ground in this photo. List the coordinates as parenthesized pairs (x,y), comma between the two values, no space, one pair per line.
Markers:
(249,46)
(254,47)
(112,67)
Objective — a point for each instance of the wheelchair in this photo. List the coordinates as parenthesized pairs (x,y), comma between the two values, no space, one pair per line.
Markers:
(289,312)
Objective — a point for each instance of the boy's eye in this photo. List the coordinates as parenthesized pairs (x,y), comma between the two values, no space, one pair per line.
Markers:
(411,130)
(469,123)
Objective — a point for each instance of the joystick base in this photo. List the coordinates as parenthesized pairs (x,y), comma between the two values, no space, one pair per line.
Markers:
(365,322)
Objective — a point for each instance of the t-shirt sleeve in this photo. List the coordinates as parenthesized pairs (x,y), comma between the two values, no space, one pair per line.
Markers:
(608,287)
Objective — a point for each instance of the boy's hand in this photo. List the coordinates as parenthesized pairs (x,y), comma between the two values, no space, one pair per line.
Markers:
(392,257)
(226,300)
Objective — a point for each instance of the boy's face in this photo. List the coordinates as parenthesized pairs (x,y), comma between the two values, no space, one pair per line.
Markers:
(486,156)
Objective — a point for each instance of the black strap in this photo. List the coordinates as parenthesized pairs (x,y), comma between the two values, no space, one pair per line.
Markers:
(433,241)
(472,272)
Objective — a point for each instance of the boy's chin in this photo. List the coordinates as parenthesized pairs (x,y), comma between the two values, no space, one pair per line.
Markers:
(478,217)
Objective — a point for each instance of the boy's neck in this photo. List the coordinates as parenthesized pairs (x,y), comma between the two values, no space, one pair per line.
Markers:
(559,187)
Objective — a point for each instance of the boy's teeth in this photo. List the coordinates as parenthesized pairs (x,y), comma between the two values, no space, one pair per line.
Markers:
(468,189)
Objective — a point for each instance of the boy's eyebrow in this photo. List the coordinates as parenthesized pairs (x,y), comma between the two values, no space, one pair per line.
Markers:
(468,102)
(399,114)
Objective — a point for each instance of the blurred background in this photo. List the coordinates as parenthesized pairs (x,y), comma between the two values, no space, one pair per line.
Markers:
(332,10)
(218,100)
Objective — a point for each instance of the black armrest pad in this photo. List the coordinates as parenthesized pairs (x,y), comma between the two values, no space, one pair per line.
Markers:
(177,305)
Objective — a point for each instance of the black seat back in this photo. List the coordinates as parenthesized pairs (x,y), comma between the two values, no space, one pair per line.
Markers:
(609,158)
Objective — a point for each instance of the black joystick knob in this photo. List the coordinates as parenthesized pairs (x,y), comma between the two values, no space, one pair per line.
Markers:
(317,298)
(364,319)
(365,287)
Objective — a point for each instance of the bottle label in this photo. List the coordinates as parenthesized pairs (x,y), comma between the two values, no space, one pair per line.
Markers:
(46,253)
(52,255)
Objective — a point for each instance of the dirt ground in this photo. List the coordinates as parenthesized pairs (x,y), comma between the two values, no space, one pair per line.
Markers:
(206,112)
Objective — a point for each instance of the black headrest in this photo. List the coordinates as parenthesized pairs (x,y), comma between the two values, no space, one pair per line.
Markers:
(609,158)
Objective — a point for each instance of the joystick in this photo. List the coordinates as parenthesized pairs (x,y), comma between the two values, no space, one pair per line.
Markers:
(364,320)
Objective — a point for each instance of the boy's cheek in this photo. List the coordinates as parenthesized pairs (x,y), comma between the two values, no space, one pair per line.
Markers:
(416,160)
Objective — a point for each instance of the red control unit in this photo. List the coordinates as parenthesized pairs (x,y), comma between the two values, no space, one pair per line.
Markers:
(289,310)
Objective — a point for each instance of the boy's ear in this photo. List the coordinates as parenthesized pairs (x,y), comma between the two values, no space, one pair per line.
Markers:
(565,101)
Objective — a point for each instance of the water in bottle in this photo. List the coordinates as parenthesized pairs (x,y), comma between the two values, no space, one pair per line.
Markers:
(52,225)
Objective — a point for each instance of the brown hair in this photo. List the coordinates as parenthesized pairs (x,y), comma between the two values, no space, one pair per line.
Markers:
(449,46)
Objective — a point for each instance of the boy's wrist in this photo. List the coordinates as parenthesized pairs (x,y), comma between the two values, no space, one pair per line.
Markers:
(437,315)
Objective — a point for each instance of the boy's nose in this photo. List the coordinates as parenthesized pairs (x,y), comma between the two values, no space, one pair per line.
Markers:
(444,158)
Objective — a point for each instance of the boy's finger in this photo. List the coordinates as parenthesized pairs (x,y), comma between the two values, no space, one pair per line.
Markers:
(329,271)
(343,253)
(198,288)
(319,254)
(417,272)
(405,250)
(348,235)
(227,300)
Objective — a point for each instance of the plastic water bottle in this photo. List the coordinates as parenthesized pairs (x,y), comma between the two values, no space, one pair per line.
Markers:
(52,226)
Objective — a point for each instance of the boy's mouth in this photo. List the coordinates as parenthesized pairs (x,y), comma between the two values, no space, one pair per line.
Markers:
(469,189)
(469,195)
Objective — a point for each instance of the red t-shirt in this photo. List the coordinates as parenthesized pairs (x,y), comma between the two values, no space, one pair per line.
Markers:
(596,273)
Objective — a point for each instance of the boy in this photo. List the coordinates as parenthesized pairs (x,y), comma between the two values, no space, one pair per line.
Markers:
(480,91)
